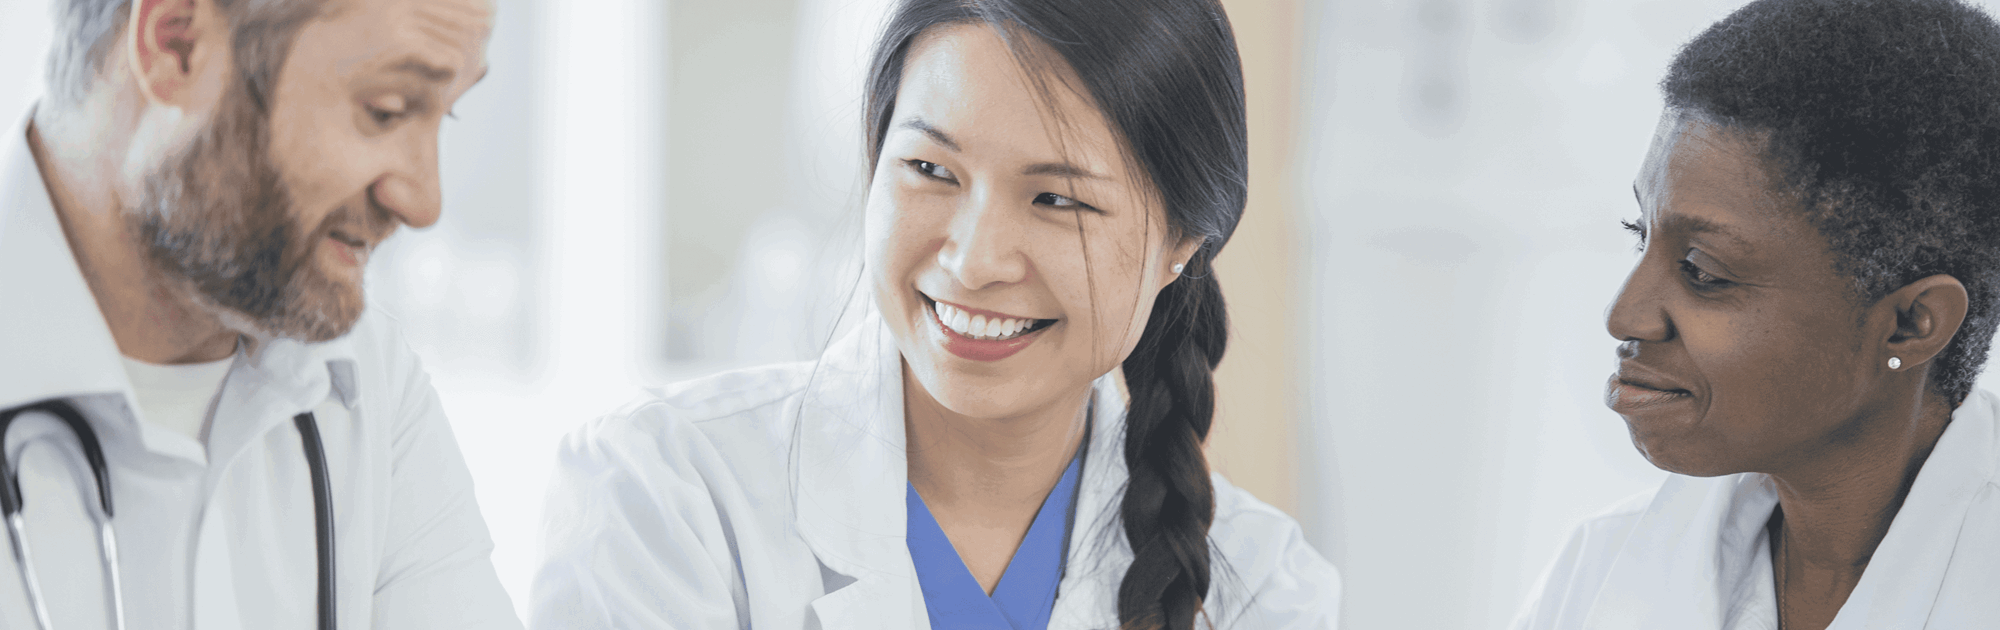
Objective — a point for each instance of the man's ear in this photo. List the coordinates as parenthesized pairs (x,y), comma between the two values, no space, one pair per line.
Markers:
(168,43)
(1927,316)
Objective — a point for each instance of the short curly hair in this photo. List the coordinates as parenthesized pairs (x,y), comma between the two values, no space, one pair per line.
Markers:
(1883,116)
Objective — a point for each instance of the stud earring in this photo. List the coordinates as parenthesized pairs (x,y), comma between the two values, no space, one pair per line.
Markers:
(1895,363)
(1178,267)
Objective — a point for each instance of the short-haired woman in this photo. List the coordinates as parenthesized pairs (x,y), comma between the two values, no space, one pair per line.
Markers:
(1820,224)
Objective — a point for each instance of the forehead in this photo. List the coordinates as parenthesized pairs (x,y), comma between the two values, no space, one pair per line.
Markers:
(1694,162)
(358,35)
(1709,178)
(965,80)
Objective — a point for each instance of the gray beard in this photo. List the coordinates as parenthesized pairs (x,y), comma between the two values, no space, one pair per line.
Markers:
(216,218)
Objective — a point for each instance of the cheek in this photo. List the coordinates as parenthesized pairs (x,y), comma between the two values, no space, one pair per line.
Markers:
(899,232)
(324,160)
(1106,281)
(1773,377)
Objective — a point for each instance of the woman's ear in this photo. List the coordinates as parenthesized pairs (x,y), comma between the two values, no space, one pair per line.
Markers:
(1927,315)
(169,43)
(1181,258)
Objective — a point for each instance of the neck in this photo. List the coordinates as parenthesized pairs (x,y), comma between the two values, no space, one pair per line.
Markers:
(960,463)
(83,154)
(1836,507)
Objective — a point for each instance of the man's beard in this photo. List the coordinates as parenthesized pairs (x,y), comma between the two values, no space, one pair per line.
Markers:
(216,217)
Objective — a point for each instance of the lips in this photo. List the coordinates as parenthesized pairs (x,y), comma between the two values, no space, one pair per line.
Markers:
(981,335)
(1634,390)
(351,250)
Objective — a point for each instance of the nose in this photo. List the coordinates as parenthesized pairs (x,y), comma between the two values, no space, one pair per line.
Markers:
(1638,313)
(409,190)
(983,246)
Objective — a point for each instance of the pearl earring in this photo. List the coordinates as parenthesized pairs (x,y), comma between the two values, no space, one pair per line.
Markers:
(1895,363)
(1178,267)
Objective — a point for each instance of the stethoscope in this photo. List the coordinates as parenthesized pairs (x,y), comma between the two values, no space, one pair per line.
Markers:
(93,454)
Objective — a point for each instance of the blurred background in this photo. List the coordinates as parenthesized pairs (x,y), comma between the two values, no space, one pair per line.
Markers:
(643,191)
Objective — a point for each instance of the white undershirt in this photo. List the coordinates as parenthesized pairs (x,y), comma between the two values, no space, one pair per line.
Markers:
(177,397)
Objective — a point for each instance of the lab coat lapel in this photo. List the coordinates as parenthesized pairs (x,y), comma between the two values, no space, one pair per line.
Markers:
(56,342)
(1900,588)
(1098,552)
(1689,541)
(851,471)
(260,486)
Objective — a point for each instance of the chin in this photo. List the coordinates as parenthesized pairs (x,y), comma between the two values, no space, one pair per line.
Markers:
(1682,456)
(316,309)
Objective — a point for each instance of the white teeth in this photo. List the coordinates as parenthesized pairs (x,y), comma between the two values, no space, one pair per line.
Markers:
(979,326)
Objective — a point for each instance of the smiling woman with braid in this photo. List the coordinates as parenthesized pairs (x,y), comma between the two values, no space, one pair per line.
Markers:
(1051,181)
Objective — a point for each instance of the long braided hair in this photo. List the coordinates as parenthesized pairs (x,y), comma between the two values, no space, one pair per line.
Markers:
(1166,75)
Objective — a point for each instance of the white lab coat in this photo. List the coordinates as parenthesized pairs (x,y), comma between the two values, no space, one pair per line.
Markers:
(1694,555)
(774,498)
(221,536)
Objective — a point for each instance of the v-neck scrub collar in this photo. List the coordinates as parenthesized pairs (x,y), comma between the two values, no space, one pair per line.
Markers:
(1027,590)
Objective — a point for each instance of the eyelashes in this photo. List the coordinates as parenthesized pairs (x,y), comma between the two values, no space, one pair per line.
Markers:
(1697,277)
(938,172)
(1638,231)
(932,170)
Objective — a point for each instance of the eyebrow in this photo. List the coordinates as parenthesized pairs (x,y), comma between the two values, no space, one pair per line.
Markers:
(937,135)
(424,70)
(1061,169)
(1698,225)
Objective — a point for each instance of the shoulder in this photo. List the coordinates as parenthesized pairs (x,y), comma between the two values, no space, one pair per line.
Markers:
(1572,579)
(735,420)
(1279,580)
(383,359)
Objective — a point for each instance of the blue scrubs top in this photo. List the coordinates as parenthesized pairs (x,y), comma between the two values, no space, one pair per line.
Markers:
(1027,591)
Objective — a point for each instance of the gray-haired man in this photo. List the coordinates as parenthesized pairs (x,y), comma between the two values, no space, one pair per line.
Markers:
(184,222)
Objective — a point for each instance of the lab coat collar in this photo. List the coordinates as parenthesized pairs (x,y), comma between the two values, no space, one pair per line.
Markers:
(852,469)
(1688,551)
(58,344)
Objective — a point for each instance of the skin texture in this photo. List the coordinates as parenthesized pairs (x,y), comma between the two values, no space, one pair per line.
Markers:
(198,221)
(962,214)
(1743,350)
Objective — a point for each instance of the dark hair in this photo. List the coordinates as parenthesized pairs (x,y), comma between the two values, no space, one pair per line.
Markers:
(1883,116)
(1165,74)
(262,32)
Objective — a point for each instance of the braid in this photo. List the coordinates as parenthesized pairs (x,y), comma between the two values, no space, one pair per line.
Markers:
(1170,502)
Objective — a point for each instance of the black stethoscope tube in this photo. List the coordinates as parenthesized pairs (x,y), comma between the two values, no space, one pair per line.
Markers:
(322,512)
(11,498)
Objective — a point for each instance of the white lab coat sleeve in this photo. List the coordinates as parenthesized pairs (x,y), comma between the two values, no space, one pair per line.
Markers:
(631,536)
(437,568)
(1288,584)
(1569,585)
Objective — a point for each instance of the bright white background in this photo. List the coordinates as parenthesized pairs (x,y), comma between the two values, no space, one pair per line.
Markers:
(626,205)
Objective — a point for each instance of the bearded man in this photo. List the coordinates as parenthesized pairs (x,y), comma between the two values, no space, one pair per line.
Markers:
(184,223)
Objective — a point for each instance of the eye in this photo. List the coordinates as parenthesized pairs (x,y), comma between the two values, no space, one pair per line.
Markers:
(1701,279)
(932,170)
(383,117)
(1059,201)
(387,111)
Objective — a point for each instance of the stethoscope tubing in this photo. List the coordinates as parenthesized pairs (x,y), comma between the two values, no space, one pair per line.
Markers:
(11,502)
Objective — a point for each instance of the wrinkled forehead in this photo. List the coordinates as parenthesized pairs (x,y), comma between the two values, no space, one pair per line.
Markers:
(445,34)
(1684,138)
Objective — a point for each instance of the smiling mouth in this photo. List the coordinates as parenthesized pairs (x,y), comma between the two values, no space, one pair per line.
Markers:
(981,327)
(348,240)
(1626,396)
